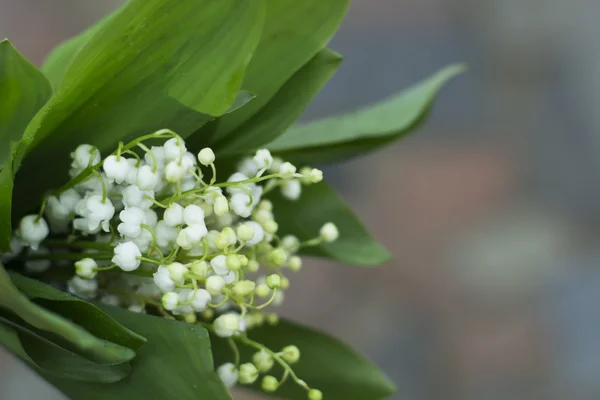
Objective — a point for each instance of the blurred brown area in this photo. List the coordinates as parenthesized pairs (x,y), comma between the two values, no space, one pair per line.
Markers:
(491,211)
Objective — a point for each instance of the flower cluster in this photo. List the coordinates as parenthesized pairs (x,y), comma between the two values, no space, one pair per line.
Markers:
(148,231)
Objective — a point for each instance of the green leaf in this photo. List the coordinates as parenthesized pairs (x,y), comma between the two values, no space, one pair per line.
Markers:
(23,91)
(50,358)
(87,344)
(325,363)
(294,32)
(134,75)
(6,191)
(96,321)
(318,204)
(340,137)
(176,363)
(60,58)
(284,108)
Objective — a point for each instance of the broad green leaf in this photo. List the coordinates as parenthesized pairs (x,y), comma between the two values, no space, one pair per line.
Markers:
(318,204)
(133,76)
(6,189)
(50,358)
(87,344)
(85,314)
(294,32)
(60,58)
(340,137)
(325,364)
(284,108)
(176,363)
(23,91)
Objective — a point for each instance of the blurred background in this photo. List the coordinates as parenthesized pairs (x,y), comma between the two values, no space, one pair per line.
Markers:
(492,210)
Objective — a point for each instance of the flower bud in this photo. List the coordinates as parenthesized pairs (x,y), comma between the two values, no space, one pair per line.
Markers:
(273,281)
(315,394)
(278,257)
(200,269)
(173,215)
(329,232)
(177,272)
(206,156)
(266,205)
(272,319)
(285,283)
(290,354)
(287,170)
(270,226)
(174,172)
(233,262)
(190,318)
(253,266)
(221,205)
(248,373)
(86,268)
(269,384)
(228,374)
(214,284)
(243,288)
(170,301)
(263,361)
(243,260)
(245,232)
(295,263)
(290,243)
(262,290)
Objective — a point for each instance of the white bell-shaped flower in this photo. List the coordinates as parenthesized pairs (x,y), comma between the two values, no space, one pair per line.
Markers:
(193,215)
(162,279)
(116,168)
(227,324)
(247,167)
(214,284)
(291,189)
(170,300)
(219,265)
(259,233)
(147,179)
(33,230)
(144,240)
(132,219)
(133,196)
(97,212)
(85,155)
(86,268)
(126,256)
(159,156)
(85,288)
(191,236)
(166,236)
(174,172)
(174,149)
(173,215)
(228,374)
(263,159)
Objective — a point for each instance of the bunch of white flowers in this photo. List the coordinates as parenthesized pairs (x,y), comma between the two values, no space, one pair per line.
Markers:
(149,231)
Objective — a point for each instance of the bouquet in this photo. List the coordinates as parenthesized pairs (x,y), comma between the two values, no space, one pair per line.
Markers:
(156,200)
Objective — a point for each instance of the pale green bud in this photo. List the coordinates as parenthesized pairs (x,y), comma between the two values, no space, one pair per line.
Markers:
(278,257)
(262,290)
(190,318)
(263,361)
(291,354)
(245,232)
(243,260)
(244,288)
(270,226)
(295,263)
(253,266)
(272,319)
(285,283)
(269,384)
(248,373)
(273,281)
(315,394)
(201,269)
(233,262)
